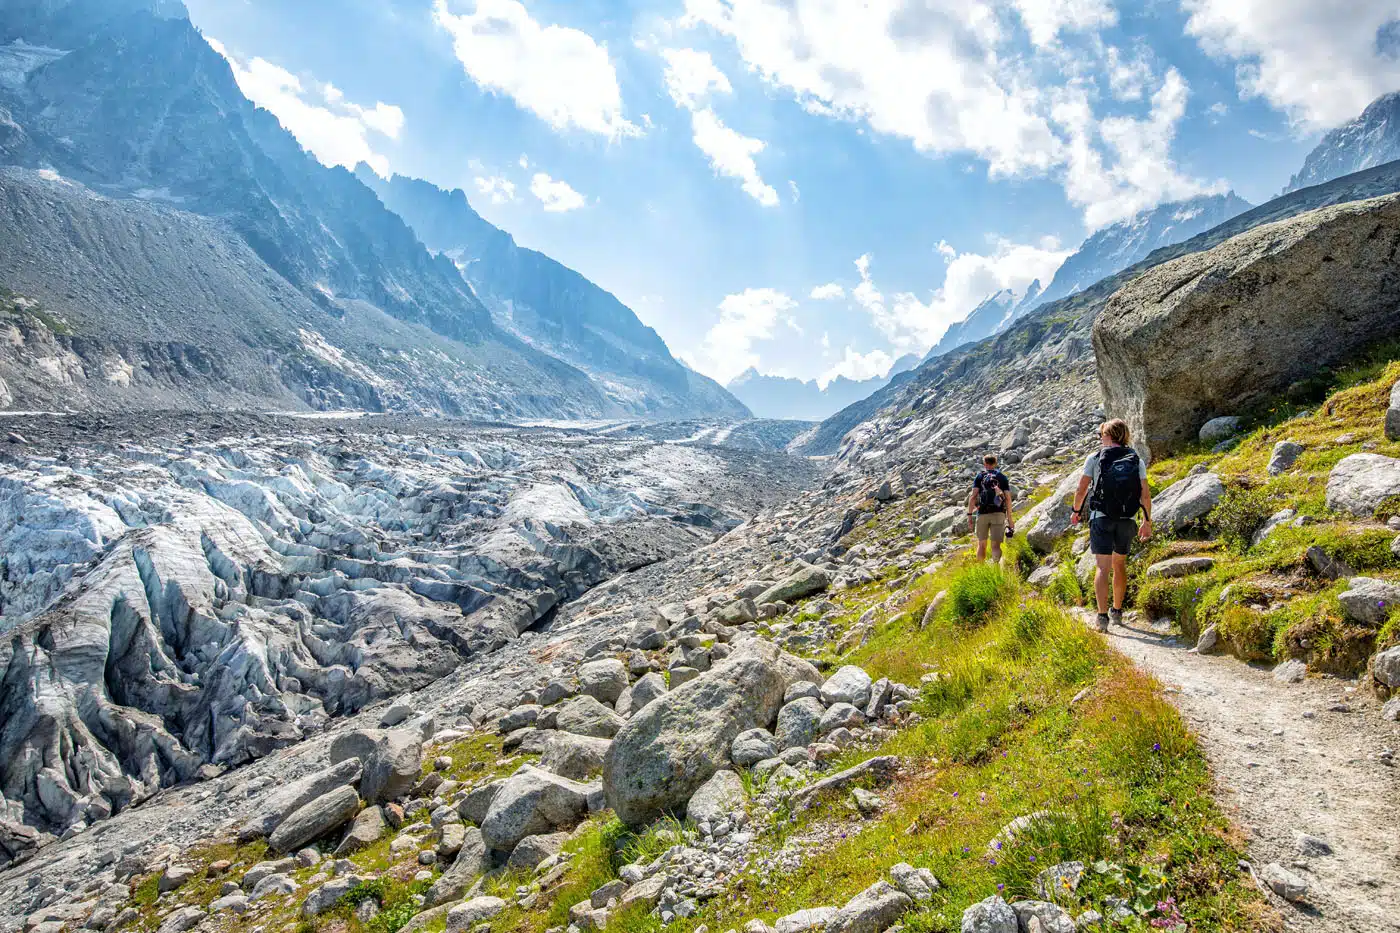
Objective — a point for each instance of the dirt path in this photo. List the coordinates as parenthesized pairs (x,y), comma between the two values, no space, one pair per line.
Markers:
(1301,758)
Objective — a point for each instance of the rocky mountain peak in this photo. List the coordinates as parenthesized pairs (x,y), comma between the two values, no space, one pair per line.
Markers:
(1371,139)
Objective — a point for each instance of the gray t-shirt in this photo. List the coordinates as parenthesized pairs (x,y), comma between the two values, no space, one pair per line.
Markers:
(1091,470)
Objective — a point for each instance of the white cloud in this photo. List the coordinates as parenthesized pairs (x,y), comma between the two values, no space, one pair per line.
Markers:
(828,292)
(336,131)
(1321,61)
(691,76)
(744,318)
(499,190)
(561,75)
(1046,19)
(951,76)
(1139,172)
(858,366)
(556,196)
(796,191)
(912,326)
(731,153)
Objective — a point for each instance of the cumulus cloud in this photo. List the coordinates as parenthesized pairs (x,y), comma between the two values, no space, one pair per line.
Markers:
(913,326)
(732,153)
(745,318)
(557,196)
(561,75)
(829,292)
(499,190)
(858,366)
(691,78)
(1138,171)
(335,130)
(1321,61)
(947,76)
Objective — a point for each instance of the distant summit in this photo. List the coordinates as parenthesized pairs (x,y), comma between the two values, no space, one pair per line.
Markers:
(785,397)
(553,308)
(1116,247)
(1371,139)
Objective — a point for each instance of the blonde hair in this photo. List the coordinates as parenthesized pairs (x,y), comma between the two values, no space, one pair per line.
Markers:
(1117,431)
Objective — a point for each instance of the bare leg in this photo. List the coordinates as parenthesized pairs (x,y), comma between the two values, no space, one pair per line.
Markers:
(996,552)
(981,549)
(1120,580)
(1105,564)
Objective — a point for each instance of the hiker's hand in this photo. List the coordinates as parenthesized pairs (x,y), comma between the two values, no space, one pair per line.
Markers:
(1145,531)
(1074,518)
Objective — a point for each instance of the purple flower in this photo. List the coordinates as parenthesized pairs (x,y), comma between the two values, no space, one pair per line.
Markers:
(1032,858)
(997,845)
(1001,887)
(966,850)
(1156,746)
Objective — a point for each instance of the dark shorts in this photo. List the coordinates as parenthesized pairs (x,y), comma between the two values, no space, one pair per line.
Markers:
(1112,535)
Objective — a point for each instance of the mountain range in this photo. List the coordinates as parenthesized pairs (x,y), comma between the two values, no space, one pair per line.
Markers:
(1371,139)
(273,280)
(785,397)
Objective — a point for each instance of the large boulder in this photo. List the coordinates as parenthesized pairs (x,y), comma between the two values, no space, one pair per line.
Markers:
(1186,501)
(314,820)
(284,801)
(584,715)
(718,797)
(468,914)
(577,757)
(392,760)
(603,680)
(532,802)
(873,910)
(850,685)
(1360,483)
(473,860)
(1227,328)
(1049,520)
(798,722)
(647,688)
(1370,601)
(676,743)
(1392,415)
(1386,667)
(807,581)
(993,915)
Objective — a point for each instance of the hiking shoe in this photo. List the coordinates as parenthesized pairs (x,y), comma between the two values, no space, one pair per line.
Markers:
(1103,622)
(1115,616)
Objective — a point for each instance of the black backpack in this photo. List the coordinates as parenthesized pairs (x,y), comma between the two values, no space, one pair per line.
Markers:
(990,498)
(1118,492)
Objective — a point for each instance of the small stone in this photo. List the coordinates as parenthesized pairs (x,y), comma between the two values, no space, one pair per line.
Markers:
(1284,883)
(1311,846)
(1291,671)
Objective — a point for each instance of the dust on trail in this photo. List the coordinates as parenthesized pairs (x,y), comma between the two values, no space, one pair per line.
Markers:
(1291,759)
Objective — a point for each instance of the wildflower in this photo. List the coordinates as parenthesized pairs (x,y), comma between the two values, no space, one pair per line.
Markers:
(1156,746)
(1001,887)
(1032,858)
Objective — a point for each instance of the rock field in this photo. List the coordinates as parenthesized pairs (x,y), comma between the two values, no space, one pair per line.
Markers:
(192,600)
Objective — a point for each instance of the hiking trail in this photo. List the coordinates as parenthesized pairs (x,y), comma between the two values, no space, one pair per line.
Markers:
(1291,759)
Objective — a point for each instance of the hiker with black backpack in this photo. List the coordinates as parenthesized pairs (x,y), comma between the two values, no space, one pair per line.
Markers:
(989,508)
(1115,482)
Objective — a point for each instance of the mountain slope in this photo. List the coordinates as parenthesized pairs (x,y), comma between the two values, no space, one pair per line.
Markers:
(988,318)
(1371,139)
(786,397)
(1120,245)
(1045,361)
(551,306)
(142,109)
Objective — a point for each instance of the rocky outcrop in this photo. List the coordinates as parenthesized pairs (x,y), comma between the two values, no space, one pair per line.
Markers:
(532,802)
(675,744)
(391,759)
(1215,332)
(1187,501)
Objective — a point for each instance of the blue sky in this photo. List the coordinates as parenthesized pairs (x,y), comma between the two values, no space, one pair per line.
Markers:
(812,187)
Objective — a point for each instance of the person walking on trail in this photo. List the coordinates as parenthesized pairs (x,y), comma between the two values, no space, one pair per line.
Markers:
(1115,484)
(989,508)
